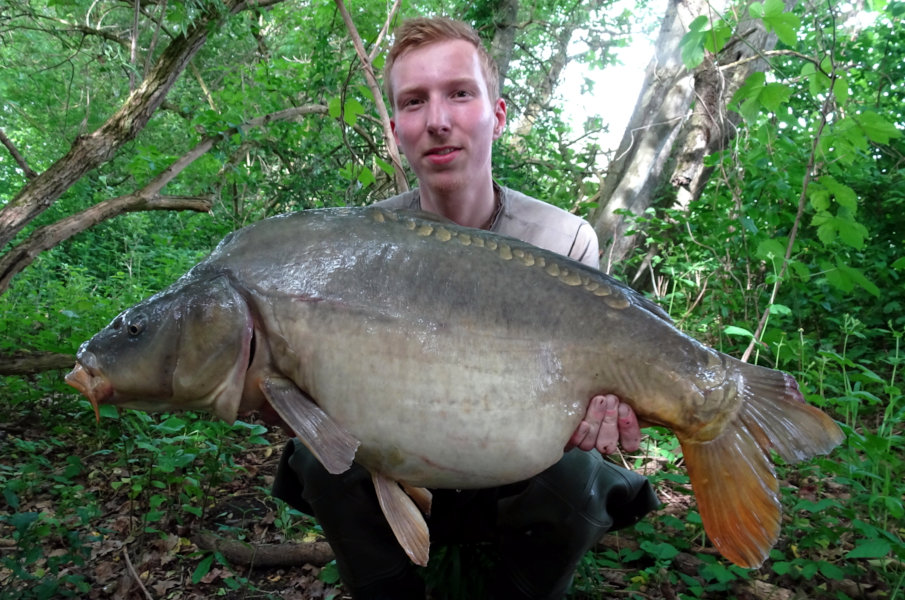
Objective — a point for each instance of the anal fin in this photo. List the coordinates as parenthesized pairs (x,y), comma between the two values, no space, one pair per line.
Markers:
(422,497)
(404,517)
(332,445)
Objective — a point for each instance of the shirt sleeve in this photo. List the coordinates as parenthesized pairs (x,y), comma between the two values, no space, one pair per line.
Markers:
(586,248)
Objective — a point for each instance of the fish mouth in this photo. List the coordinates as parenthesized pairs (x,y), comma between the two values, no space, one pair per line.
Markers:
(96,388)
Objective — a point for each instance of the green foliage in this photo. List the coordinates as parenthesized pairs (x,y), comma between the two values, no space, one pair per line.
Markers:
(820,134)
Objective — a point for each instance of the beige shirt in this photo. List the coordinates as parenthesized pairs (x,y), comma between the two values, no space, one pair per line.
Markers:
(529,220)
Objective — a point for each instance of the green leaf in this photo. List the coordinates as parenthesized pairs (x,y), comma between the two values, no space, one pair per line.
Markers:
(351,110)
(771,251)
(384,166)
(334,107)
(843,194)
(856,276)
(11,498)
(692,44)
(773,95)
(202,569)
(877,128)
(899,263)
(780,309)
(876,548)
(782,568)
(783,23)
(831,571)
(740,331)
(841,89)
(661,551)
(366,177)
(716,37)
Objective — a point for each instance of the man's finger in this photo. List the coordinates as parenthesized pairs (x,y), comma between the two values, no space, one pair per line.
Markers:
(607,438)
(629,431)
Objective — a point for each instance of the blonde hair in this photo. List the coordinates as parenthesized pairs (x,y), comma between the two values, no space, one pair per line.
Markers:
(422,31)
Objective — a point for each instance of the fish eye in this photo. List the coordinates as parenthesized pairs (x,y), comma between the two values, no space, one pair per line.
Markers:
(136,325)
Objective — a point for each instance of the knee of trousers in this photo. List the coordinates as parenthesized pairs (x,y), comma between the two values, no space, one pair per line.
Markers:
(582,491)
(546,529)
(347,509)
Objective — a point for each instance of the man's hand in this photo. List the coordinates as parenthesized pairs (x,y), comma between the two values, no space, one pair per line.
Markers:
(608,424)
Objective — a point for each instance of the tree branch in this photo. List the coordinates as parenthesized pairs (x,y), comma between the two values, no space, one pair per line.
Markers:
(392,150)
(20,160)
(90,151)
(147,198)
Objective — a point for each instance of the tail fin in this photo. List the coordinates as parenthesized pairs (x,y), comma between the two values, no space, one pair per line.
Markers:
(732,476)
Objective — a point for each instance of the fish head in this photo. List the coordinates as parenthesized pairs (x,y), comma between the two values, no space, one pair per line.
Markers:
(187,348)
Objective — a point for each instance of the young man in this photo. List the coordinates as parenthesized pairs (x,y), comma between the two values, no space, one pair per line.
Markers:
(444,90)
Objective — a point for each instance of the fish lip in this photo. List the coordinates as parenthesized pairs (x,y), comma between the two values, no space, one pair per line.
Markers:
(95,387)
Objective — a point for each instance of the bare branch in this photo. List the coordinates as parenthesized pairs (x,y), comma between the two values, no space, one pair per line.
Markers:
(20,160)
(383,31)
(147,198)
(94,149)
(392,150)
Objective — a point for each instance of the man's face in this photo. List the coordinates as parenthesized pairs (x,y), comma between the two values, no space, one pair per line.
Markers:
(444,120)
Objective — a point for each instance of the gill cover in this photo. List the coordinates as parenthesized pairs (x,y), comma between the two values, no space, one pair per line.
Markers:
(187,348)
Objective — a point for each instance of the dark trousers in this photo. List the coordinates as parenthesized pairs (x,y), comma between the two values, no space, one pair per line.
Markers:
(539,528)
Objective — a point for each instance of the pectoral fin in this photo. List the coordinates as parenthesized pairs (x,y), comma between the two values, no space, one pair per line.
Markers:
(332,445)
(404,517)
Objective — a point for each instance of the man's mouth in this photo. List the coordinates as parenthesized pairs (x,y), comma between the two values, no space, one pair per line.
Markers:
(442,151)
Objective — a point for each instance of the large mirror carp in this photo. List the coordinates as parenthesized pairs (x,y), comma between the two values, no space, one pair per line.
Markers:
(438,356)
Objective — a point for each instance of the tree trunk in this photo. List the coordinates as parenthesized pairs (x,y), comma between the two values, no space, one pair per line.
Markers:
(662,107)
(711,126)
(503,43)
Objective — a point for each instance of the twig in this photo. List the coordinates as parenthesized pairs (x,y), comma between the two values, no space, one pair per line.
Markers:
(135,574)
(802,202)
(389,138)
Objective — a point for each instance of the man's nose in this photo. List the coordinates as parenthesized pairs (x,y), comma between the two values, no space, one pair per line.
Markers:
(438,117)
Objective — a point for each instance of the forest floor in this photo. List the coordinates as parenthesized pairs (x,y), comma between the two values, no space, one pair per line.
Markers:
(246,545)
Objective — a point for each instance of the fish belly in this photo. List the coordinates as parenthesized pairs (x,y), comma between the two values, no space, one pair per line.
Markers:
(434,406)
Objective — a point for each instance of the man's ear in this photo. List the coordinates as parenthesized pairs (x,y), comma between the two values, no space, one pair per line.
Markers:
(499,113)
(393,129)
